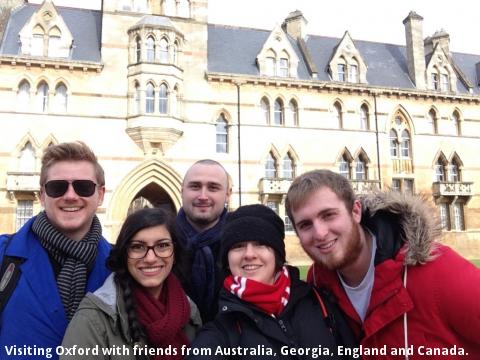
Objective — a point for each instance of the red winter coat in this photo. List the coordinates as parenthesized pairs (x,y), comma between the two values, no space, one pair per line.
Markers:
(442,293)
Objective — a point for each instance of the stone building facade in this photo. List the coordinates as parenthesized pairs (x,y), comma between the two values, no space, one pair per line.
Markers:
(152,87)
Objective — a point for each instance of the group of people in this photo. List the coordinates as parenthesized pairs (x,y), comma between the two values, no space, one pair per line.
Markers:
(209,284)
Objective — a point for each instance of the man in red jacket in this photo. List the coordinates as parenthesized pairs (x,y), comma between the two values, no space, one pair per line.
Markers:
(405,295)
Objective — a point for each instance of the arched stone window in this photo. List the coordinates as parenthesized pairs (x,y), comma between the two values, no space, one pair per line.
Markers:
(163,49)
(271,166)
(222,134)
(265,108)
(138,49)
(150,99)
(23,95)
(288,167)
(150,49)
(42,97)
(27,158)
(337,113)
(61,97)
(405,145)
(278,118)
(163,99)
(364,117)
(293,108)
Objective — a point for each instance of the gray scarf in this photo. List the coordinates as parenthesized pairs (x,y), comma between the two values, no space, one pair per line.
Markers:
(74,257)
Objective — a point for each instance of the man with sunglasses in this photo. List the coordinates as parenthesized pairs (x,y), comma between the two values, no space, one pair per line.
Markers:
(60,253)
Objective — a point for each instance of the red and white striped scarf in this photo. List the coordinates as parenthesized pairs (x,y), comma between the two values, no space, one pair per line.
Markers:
(271,299)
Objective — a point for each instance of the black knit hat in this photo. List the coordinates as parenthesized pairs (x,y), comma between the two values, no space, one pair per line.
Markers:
(253,223)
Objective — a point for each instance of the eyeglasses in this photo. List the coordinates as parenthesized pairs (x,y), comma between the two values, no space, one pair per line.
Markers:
(57,188)
(138,250)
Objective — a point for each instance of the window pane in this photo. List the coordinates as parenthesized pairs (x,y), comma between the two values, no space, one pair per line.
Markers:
(337,112)
(150,99)
(137,99)
(293,112)
(54,43)
(439,172)
(163,51)
(353,74)
(287,167)
(24,212)
(363,118)
(343,168)
(341,72)
(278,113)
(138,50)
(42,97)
(405,146)
(273,205)
(435,85)
(163,99)
(288,224)
(61,98)
(150,49)
(444,216)
(453,173)
(444,82)
(270,66)
(24,95)
(265,107)
(458,216)
(396,184)
(270,167)
(222,135)
(393,144)
(37,45)
(283,67)
(408,186)
(360,170)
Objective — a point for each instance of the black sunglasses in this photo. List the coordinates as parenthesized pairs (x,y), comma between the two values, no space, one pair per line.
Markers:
(57,188)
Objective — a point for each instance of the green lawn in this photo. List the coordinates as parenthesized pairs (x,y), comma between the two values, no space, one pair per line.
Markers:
(304,268)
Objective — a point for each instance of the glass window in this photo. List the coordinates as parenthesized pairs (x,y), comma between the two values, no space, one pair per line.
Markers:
(42,97)
(353,74)
(163,50)
(432,120)
(163,99)
(265,107)
(444,216)
(393,143)
(24,95)
(61,98)
(270,167)
(283,71)
(341,72)
(138,50)
(222,134)
(453,175)
(337,113)
(456,123)
(292,106)
(270,66)
(288,224)
(278,113)
(344,167)
(37,45)
(54,43)
(24,212)
(458,216)
(439,171)
(435,85)
(27,158)
(273,205)
(364,117)
(396,184)
(405,146)
(288,167)
(150,99)
(445,86)
(150,49)
(360,170)
(408,186)
(175,53)
(137,99)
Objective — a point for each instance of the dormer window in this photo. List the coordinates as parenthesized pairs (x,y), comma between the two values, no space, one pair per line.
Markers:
(283,67)
(353,75)
(341,69)
(270,66)
(435,84)
(444,82)
(37,42)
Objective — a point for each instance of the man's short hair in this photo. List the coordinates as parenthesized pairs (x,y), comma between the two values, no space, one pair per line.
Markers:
(306,184)
(70,151)
(214,163)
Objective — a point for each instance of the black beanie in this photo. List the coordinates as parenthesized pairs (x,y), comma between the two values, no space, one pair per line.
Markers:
(253,223)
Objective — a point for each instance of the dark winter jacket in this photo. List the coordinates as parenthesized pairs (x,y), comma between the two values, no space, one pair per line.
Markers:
(439,294)
(249,333)
(33,322)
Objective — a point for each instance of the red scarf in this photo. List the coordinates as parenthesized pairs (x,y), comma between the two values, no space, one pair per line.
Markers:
(272,299)
(164,319)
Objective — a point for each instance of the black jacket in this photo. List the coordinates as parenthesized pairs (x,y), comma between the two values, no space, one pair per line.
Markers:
(242,327)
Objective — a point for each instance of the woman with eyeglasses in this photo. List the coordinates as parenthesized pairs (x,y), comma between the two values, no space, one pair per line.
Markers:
(141,311)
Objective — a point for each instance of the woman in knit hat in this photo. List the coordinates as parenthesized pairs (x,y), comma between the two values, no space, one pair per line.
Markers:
(266,311)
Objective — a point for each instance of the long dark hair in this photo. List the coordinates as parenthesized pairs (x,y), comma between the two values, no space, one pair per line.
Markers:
(117,260)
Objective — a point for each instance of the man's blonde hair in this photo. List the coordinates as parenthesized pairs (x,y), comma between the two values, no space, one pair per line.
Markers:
(70,151)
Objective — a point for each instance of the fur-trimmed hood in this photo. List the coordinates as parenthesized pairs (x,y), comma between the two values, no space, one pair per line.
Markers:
(399,219)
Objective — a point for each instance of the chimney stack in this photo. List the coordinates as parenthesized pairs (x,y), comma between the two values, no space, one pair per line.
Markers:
(295,25)
(415,49)
(440,37)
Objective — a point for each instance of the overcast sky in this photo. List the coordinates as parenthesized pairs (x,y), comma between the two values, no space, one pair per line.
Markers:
(374,20)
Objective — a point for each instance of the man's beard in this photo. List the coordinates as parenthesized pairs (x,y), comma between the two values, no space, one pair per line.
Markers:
(352,251)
